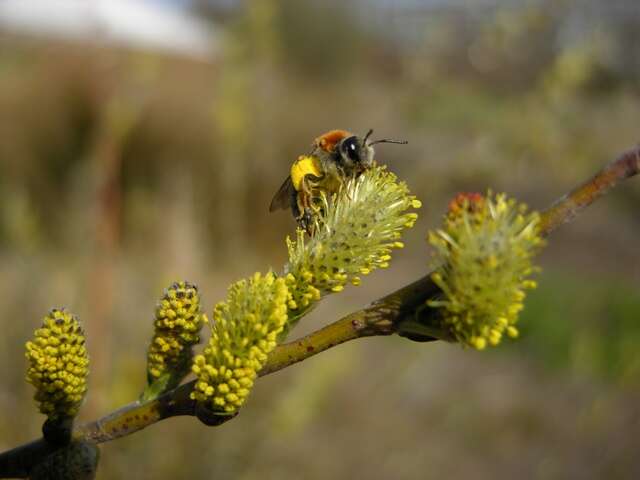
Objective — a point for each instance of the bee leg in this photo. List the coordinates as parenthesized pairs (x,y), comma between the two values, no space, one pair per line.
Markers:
(314,207)
(310,186)
(307,215)
(301,212)
(306,221)
(307,210)
(296,207)
(306,196)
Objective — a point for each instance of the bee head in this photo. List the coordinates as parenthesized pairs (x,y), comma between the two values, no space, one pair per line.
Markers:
(356,153)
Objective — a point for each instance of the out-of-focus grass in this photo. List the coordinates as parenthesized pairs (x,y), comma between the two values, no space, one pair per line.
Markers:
(587,326)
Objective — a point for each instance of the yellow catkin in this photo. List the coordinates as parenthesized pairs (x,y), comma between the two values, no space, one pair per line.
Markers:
(58,365)
(177,324)
(244,331)
(355,233)
(483,256)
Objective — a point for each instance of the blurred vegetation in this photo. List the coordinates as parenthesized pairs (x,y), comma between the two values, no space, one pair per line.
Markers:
(123,170)
(591,330)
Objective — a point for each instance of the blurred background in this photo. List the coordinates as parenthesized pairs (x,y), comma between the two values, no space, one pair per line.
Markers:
(141,143)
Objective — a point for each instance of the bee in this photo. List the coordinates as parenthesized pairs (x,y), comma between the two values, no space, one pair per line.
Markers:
(336,156)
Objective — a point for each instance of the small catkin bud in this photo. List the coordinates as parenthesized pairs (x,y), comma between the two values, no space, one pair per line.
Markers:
(58,365)
(483,256)
(177,325)
(243,333)
(354,234)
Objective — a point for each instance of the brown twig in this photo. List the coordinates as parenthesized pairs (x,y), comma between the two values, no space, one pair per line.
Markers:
(565,209)
(380,318)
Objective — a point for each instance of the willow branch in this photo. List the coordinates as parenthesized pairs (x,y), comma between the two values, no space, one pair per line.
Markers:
(568,207)
(380,318)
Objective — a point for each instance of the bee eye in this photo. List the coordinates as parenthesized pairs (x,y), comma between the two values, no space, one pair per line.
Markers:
(350,148)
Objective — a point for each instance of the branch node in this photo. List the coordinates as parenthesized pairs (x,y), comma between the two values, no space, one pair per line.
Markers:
(211,418)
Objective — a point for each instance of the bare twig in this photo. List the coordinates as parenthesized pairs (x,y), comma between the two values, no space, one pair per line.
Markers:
(564,210)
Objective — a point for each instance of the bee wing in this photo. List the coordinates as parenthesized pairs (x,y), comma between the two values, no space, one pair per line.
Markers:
(282,198)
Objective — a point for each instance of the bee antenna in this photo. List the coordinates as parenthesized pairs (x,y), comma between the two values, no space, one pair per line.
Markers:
(367,135)
(386,140)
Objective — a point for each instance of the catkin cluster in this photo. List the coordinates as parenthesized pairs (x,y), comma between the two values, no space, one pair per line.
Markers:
(483,258)
(58,365)
(354,234)
(177,325)
(244,331)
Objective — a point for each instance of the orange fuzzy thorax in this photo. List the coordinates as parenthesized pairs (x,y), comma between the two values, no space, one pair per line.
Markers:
(328,141)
